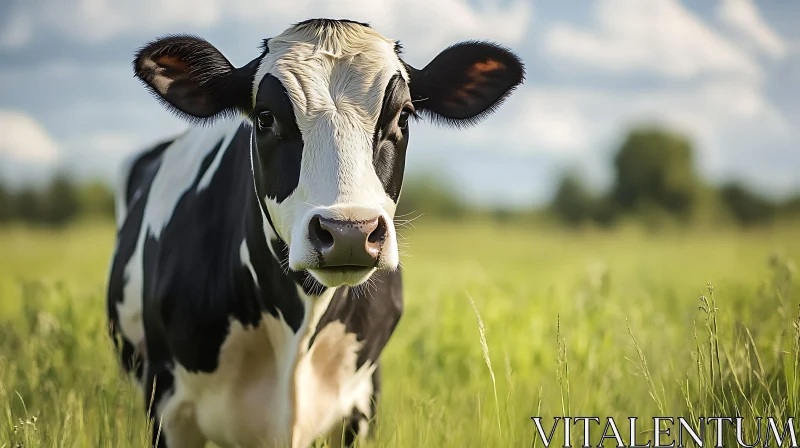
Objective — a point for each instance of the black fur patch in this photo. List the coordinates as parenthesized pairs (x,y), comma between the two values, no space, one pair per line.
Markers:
(389,140)
(276,156)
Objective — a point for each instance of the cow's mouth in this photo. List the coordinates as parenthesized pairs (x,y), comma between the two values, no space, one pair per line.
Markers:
(344,269)
(334,276)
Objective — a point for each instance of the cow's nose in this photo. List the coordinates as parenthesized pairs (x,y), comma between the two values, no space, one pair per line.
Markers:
(347,243)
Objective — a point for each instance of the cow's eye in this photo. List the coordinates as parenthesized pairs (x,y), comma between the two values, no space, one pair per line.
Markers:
(265,119)
(403,120)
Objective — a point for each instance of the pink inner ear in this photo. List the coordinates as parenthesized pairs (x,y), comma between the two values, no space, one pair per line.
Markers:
(172,63)
(477,74)
(488,65)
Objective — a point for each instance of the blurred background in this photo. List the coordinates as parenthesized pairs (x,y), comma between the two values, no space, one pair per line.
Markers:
(651,157)
(662,112)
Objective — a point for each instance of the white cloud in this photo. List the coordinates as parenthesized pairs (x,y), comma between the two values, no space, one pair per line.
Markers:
(100,153)
(657,36)
(428,24)
(22,138)
(736,132)
(699,82)
(98,20)
(704,84)
(116,143)
(537,119)
(744,17)
(582,124)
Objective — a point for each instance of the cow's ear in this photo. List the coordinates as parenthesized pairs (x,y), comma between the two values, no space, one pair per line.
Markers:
(193,79)
(465,82)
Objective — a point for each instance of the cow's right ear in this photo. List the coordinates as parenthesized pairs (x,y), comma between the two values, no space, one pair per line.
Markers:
(193,79)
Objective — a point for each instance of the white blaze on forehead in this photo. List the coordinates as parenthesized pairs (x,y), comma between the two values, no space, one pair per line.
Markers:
(338,69)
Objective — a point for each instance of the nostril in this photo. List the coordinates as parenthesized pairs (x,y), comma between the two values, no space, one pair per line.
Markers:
(320,238)
(379,233)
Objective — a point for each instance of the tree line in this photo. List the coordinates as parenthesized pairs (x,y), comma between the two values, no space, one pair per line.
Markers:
(56,204)
(655,181)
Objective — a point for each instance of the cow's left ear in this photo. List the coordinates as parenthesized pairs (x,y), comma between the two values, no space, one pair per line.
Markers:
(465,82)
(192,78)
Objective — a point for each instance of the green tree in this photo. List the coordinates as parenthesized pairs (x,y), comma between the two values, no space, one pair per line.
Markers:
(430,196)
(572,202)
(746,207)
(654,167)
(60,201)
(604,211)
(96,199)
(26,205)
(790,208)
(6,204)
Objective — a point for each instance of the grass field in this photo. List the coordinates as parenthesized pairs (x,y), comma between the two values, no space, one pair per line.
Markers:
(578,324)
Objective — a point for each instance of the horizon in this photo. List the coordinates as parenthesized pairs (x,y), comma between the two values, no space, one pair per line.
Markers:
(726,75)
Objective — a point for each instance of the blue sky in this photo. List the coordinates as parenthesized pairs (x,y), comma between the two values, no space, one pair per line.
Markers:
(725,72)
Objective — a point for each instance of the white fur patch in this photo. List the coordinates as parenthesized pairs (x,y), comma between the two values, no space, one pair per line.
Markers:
(244,255)
(212,169)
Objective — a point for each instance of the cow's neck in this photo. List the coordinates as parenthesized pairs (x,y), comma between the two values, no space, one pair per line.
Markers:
(300,300)
(299,313)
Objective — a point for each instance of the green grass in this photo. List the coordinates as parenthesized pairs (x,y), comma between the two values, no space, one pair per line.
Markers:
(501,324)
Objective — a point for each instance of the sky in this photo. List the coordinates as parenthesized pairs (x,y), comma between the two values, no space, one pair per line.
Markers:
(726,73)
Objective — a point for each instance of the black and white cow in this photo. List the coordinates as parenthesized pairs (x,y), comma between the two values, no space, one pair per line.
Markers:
(255,280)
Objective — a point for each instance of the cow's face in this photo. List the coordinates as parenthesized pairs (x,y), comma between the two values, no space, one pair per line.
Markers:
(329,103)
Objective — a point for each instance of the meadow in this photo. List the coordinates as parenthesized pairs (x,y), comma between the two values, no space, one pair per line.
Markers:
(502,322)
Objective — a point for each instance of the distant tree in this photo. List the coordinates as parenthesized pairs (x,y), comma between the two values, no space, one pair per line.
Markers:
(748,208)
(431,196)
(6,204)
(96,199)
(27,205)
(654,167)
(572,202)
(604,211)
(790,208)
(503,214)
(59,201)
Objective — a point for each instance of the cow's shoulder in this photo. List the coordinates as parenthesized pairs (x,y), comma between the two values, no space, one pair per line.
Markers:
(135,174)
(142,170)
(195,283)
(188,173)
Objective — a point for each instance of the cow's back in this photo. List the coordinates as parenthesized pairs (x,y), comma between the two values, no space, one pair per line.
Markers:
(135,176)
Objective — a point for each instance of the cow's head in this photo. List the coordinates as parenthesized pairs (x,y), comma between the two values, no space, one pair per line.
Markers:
(329,103)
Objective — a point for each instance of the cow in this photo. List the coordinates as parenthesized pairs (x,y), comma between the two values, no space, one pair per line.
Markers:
(255,279)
